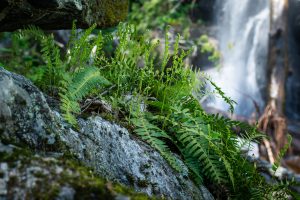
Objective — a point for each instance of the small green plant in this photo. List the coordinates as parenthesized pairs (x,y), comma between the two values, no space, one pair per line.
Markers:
(68,74)
(82,84)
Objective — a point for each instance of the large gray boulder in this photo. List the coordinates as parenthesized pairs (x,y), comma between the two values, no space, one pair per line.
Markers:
(110,150)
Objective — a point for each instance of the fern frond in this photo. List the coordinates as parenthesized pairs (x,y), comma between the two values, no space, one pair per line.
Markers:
(154,136)
(195,167)
(54,66)
(84,81)
(82,84)
(32,30)
(80,48)
(282,153)
(227,99)
(199,149)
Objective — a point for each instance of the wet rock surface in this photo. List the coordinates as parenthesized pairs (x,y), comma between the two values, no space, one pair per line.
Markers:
(103,146)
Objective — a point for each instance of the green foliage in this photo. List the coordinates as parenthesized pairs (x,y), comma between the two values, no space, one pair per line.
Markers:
(70,73)
(174,119)
(18,55)
(51,68)
(158,15)
(149,14)
(282,153)
(157,96)
(81,85)
(155,137)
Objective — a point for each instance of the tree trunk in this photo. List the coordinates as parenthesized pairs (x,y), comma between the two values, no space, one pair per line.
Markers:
(59,14)
(273,121)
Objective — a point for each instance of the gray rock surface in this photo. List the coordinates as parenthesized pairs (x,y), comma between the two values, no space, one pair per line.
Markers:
(128,160)
(104,146)
(30,176)
(24,113)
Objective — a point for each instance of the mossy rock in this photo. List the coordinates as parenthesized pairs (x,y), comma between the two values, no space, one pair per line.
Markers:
(59,14)
(30,176)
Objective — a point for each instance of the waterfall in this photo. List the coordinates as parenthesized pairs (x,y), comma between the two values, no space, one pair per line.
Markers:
(243,43)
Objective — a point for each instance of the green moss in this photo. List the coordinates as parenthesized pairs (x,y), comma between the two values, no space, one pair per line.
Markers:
(15,155)
(107,13)
(49,182)
(87,184)
(117,120)
(115,11)
(47,192)
(108,116)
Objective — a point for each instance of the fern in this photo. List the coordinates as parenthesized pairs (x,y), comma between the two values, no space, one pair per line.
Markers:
(34,31)
(54,68)
(197,145)
(80,48)
(195,167)
(81,85)
(281,153)
(219,91)
(155,137)
(173,118)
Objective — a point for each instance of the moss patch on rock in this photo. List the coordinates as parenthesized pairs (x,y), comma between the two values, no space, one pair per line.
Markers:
(106,12)
(49,178)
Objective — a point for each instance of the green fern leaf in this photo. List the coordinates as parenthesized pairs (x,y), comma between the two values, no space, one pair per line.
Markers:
(81,85)
(154,135)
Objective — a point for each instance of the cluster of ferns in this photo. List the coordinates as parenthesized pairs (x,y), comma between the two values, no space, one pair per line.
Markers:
(163,107)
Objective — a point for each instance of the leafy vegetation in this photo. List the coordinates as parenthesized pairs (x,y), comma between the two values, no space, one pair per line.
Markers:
(158,97)
(158,16)
(152,14)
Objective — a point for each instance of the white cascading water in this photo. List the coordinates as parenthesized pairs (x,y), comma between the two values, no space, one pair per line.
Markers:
(243,43)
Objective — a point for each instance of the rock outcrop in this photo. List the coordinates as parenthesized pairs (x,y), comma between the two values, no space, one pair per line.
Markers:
(59,14)
(25,175)
(103,146)
(24,113)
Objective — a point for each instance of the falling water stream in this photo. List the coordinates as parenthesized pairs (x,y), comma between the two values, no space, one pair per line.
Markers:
(243,42)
